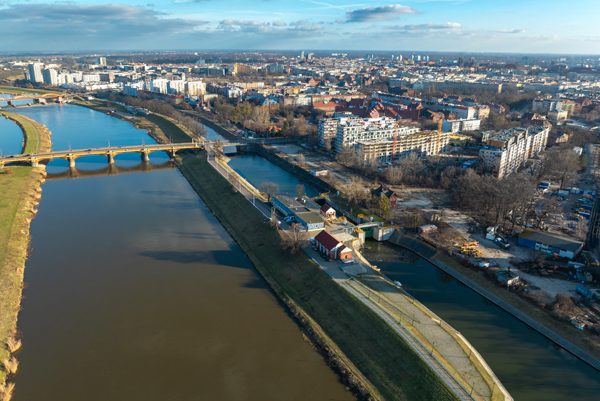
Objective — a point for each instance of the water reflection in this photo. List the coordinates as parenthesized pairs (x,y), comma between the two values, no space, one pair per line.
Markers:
(530,366)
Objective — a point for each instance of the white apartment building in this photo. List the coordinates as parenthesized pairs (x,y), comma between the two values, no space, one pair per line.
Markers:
(328,128)
(455,126)
(424,143)
(90,77)
(195,88)
(509,149)
(351,131)
(50,76)
(159,85)
(132,89)
(35,73)
(176,87)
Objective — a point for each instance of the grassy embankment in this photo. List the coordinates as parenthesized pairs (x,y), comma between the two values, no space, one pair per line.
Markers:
(19,195)
(16,90)
(357,341)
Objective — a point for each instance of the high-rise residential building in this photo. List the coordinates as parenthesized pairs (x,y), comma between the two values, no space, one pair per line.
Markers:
(302,54)
(159,85)
(176,87)
(50,76)
(195,88)
(35,73)
(508,149)
(101,61)
(351,131)
(461,125)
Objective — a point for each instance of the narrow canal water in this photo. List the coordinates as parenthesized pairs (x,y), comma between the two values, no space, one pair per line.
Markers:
(258,170)
(136,292)
(530,366)
(11,137)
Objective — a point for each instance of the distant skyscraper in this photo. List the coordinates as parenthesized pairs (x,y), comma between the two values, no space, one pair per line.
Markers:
(461,61)
(101,61)
(310,56)
(50,76)
(35,73)
(302,54)
(400,57)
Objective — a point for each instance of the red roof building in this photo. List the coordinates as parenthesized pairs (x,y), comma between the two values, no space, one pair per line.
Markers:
(331,247)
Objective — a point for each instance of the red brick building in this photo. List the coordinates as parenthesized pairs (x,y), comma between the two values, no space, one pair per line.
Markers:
(331,247)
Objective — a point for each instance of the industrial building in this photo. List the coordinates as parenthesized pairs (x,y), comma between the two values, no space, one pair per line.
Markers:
(305,212)
(550,243)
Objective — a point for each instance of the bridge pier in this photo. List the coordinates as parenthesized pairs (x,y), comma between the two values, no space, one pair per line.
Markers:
(71,160)
(111,158)
(145,157)
(34,162)
(171,155)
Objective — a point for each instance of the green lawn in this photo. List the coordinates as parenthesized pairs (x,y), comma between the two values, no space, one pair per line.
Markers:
(15,90)
(374,348)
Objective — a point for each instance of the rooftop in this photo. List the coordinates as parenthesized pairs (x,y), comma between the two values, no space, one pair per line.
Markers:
(553,240)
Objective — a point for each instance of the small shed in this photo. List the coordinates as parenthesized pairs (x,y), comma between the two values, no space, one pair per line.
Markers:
(331,247)
(327,211)
(427,228)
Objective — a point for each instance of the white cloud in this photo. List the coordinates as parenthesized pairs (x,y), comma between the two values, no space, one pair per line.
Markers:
(428,27)
(381,13)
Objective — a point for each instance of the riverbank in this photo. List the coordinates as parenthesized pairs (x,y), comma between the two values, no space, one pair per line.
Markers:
(373,360)
(13,90)
(20,194)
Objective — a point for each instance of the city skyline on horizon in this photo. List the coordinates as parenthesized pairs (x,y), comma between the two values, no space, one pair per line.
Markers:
(446,26)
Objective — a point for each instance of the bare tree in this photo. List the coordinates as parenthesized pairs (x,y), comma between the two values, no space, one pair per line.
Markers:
(218,147)
(296,238)
(346,156)
(301,160)
(269,188)
(559,165)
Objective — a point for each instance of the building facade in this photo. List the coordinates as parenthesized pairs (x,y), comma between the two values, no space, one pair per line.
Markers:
(508,149)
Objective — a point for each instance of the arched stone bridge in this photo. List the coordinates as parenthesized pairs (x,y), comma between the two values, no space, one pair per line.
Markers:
(109,152)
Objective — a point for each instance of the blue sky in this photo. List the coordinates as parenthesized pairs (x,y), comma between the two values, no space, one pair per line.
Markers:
(520,26)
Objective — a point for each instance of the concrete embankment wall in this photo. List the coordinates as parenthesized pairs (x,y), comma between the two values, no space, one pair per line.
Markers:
(302,174)
(217,128)
(428,253)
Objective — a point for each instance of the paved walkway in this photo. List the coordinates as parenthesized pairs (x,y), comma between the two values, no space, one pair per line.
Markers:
(441,340)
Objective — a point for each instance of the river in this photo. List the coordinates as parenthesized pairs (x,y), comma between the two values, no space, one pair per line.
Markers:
(15,102)
(136,292)
(530,366)
(11,137)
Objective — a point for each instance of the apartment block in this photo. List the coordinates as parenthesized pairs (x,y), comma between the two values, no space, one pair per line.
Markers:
(352,131)
(455,126)
(508,149)
(422,144)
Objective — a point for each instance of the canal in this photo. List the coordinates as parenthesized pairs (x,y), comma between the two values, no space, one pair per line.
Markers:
(258,170)
(136,292)
(530,366)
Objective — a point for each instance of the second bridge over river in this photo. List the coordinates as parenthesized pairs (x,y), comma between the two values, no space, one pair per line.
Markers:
(109,152)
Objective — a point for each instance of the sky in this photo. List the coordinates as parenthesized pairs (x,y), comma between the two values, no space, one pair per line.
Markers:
(510,26)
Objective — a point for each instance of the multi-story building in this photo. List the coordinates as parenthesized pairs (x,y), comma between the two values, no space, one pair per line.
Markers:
(101,61)
(509,149)
(351,131)
(176,87)
(557,115)
(461,125)
(327,128)
(422,144)
(50,76)
(159,85)
(195,88)
(35,73)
